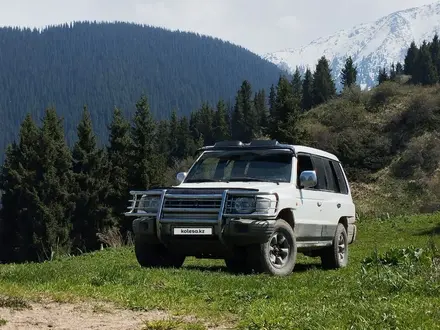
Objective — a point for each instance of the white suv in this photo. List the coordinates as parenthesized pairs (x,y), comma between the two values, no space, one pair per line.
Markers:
(255,205)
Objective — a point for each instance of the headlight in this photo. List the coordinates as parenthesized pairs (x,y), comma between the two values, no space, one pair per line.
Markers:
(258,204)
(148,204)
(244,205)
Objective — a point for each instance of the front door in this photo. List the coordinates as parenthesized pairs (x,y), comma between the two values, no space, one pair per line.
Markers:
(310,205)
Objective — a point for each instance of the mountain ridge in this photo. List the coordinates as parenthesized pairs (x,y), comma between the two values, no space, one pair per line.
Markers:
(372,45)
(108,65)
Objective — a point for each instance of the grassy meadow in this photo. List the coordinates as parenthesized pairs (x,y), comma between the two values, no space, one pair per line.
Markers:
(392,282)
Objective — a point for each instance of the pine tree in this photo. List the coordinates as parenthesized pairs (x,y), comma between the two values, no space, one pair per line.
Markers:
(163,139)
(410,59)
(173,139)
(435,53)
(307,91)
(245,120)
(348,73)
(383,76)
(286,112)
(272,98)
(53,195)
(323,84)
(425,72)
(399,69)
(118,152)
(221,123)
(297,84)
(147,164)
(261,111)
(17,180)
(186,143)
(91,174)
(393,73)
(10,238)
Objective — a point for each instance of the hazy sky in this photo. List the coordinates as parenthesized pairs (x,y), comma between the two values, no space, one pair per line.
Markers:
(259,25)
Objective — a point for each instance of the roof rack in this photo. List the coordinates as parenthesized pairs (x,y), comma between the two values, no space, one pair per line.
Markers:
(254,144)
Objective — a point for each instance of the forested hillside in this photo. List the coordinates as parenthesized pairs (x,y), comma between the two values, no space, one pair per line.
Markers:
(58,199)
(108,65)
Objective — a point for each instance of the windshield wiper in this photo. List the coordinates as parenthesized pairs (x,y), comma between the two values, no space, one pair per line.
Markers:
(248,178)
(201,180)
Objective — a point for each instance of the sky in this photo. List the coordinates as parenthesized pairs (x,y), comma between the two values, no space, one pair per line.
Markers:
(261,26)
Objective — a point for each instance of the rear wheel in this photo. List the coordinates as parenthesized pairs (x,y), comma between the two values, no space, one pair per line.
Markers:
(278,255)
(156,255)
(336,256)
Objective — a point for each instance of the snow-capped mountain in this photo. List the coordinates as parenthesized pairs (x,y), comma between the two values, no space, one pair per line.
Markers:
(371,45)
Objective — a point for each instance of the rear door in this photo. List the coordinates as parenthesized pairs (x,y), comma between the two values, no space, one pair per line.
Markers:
(308,215)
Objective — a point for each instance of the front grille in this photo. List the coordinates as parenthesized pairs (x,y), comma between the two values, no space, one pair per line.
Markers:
(191,207)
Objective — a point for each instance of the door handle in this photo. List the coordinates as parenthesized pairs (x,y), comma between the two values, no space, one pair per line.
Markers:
(319,203)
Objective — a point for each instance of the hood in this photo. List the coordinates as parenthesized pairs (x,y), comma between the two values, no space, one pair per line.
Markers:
(261,186)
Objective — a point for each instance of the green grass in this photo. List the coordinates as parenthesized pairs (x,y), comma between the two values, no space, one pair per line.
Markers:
(383,287)
(3,322)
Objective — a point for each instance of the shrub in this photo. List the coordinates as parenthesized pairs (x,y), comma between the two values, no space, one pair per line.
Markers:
(421,115)
(381,95)
(423,153)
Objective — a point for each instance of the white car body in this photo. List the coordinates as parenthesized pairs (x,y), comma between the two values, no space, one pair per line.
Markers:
(314,210)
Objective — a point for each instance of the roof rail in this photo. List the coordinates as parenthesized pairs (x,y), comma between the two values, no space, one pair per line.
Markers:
(228,143)
(254,144)
(264,143)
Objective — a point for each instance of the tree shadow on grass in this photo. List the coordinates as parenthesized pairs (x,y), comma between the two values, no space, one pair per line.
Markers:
(300,267)
(430,232)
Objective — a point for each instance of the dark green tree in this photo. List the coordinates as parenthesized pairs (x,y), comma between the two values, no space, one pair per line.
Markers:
(147,164)
(297,84)
(261,111)
(348,73)
(118,152)
(286,112)
(399,69)
(221,123)
(307,91)
(425,72)
(410,59)
(17,181)
(323,85)
(53,195)
(91,173)
(245,120)
(383,76)
(173,139)
(272,98)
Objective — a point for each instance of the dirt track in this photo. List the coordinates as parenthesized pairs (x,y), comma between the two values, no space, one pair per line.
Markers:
(76,316)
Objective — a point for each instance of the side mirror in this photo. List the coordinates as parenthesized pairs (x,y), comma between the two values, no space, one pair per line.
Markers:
(308,179)
(181,176)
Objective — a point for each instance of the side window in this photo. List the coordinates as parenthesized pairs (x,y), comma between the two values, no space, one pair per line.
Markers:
(304,163)
(332,180)
(319,166)
(343,187)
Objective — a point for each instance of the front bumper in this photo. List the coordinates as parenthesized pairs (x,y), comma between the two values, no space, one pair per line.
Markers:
(235,232)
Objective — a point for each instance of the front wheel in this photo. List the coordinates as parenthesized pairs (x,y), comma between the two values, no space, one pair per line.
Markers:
(156,255)
(278,254)
(336,256)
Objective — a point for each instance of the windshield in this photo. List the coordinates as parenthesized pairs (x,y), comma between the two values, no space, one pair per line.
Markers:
(252,165)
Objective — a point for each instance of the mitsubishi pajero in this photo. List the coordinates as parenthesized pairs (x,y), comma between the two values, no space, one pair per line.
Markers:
(255,205)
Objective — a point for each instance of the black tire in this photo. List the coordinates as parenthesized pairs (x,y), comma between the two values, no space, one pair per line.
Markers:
(278,255)
(156,255)
(336,256)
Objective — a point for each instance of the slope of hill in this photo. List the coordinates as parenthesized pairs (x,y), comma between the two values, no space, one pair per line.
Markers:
(105,65)
(371,45)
